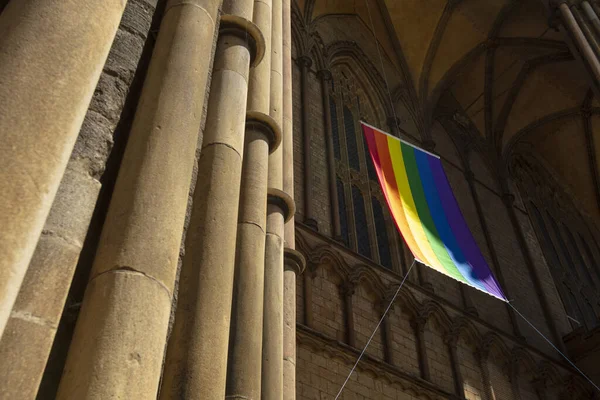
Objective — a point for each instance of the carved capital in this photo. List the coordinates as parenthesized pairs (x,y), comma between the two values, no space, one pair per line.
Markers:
(304,61)
(238,26)
(347,289)
(418,323)
(324,74)
(294,261)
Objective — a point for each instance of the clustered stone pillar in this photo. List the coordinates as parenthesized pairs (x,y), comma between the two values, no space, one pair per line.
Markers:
(418,325)
(280,208)
(347,290)
(263,135)
(585,39)
(196,359)
(309,219)
(452,343)
(47,80)
(326,77)
(118,346)
(294,262)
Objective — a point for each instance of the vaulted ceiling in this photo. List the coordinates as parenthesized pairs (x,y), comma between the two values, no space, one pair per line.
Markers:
(510,77)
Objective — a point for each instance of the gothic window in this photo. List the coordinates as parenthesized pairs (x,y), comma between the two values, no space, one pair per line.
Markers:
(582,270)
(362,232)
(568,267)
(365,223)
(334,130)
(350,130)
(342,207)
(385,255)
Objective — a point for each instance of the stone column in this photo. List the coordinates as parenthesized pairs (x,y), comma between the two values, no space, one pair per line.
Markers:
(579,38)
(592,17)
(50,64)
(309,218)
(245,339)
(280,208)
(386,330)
(470,177)
(326,78)
(482,357)
(418,325)
(587,30)
(347,291)
(196,359)
(309,276)
(294,266)
(452,342)
(508,200)
(294,261)
(263,136)
(118,346)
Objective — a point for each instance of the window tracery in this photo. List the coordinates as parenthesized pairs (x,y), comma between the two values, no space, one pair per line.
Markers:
(365,223)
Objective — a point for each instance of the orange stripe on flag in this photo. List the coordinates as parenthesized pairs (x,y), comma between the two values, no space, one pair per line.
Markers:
(393,195)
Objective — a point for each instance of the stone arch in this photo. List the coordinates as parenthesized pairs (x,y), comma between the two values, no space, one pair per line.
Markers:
(492,341)
(340,50)
(432,308)
(364,273)
(463,327)
(325,254)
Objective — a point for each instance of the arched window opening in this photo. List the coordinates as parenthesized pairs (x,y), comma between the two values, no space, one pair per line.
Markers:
(562,245)
(385,255)
(592,262)
(351,144)
(551,254)
(582,270)
(335,134)
(342,207)
(362,231)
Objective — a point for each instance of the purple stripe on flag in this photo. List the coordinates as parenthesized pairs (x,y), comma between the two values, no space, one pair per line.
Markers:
(481,270)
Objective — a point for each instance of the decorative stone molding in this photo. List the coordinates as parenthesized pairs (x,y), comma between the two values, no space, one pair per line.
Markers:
(294,261)
(267,126)
(247,30)
(304,61)
(282,200)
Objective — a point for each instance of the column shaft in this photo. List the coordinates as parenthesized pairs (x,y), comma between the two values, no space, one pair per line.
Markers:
(308,299)
(305,62)
(455,363)
(419,329)
(326,78)
(118,347)
(294,261)
(196,360)
(279,207)
(592,17)
(580,40)
(50,64)
(245,340)
(347,293)
(587,30)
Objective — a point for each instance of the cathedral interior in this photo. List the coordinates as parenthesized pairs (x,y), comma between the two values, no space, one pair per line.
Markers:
(188,208)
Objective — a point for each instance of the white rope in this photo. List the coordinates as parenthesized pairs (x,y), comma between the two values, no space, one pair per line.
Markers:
(375,330)
(555,348)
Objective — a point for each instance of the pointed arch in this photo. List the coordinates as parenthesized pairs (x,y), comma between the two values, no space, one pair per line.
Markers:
(432,308)
(364,273)
(326,255)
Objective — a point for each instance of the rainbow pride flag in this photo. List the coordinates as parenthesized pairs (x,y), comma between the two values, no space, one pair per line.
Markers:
(426,212)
